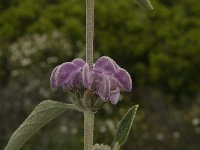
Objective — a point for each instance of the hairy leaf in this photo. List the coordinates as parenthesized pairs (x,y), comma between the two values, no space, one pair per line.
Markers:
(40,116)
(145,3)
(125,125)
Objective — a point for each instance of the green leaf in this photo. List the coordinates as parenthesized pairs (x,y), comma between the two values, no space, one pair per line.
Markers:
(40,116)
(125,125)
(145,3)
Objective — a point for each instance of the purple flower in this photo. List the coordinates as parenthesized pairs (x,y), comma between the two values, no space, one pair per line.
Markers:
(67,75)
(105,79)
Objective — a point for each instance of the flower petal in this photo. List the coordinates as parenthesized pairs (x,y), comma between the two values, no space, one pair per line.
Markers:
(104,87)
(86,74)
(114,96)
(72,80)
(78,62)
(62,73)
(106,65)
(124,80)
(53,78)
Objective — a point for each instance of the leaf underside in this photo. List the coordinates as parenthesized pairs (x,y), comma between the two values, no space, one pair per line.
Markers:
(125,125)
(40,116)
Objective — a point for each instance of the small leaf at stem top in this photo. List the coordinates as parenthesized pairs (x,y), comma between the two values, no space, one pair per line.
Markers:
(101,147)
(145,4)
(125,125)
(40,116)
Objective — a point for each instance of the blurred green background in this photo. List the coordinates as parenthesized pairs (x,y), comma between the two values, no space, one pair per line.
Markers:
(160,49)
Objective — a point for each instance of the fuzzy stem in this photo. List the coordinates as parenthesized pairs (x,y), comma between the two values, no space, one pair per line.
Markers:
(89,31)
(89,115)
(88,129)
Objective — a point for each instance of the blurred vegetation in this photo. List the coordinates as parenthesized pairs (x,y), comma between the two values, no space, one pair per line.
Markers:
(160,49)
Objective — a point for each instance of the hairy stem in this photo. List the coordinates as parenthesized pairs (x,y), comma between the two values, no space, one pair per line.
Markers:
(89,31)
(88,129)
(88,114)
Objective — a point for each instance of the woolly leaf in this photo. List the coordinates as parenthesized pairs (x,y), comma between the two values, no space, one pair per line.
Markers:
(125,125)
(40,116)
(145,3)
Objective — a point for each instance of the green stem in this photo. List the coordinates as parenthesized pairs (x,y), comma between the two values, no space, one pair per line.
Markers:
(88,114)
(89,31)
(88,129)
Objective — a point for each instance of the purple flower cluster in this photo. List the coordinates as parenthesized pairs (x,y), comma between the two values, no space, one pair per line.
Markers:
(105,79)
